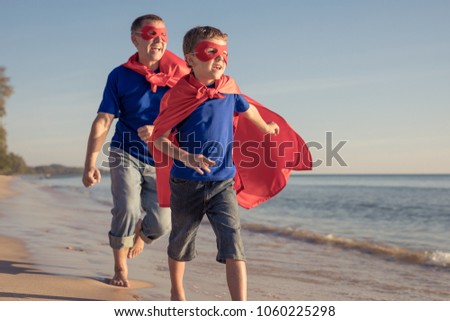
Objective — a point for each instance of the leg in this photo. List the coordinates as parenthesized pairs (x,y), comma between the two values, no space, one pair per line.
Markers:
(223,215)
(126,190)
(156,222)
(237,279)
(120,277)
(176,269)
(138,241)
(187,213)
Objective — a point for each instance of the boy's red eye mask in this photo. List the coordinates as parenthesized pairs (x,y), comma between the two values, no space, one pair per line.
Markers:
(150,32)
(203,52)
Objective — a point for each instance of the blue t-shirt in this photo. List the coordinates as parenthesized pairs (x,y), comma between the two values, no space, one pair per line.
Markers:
(209,131)
(129,98)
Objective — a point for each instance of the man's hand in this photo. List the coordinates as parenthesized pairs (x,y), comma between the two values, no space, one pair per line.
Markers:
(145,132)
(91,176)
(197,162)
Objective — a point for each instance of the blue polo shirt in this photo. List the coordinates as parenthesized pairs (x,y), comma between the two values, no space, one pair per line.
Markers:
(128,97)
(209,131)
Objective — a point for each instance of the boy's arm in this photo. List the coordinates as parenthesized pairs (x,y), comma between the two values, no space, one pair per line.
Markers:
(253,115)
(198,162)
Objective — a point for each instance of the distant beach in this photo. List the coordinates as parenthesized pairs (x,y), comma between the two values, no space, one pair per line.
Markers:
(55,247)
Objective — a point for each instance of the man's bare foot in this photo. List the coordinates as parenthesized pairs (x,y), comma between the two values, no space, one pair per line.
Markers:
(120,279)
(138,245)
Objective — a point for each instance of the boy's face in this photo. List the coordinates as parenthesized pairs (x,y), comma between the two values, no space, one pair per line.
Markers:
(151,40)
(209,60)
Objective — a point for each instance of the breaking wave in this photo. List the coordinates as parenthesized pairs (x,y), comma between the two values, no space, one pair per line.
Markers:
(429,258)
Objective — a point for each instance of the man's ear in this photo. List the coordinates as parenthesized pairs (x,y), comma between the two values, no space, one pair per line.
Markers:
(134,40)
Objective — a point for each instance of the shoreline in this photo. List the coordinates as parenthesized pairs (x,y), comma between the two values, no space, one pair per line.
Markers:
(21,279)
(56,249)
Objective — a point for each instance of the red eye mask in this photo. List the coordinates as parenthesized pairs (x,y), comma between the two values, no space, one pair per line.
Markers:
(150,32)
(203,52)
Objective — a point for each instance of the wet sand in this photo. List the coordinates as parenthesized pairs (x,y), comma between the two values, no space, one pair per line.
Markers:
(21,279)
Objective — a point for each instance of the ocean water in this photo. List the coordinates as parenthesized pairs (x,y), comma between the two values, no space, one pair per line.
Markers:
(405,217)
(399,217)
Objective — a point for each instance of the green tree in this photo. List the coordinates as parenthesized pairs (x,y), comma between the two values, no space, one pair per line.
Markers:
(9,163)
(5,91)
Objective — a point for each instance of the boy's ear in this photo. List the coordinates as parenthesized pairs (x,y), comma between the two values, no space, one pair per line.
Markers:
(189,60)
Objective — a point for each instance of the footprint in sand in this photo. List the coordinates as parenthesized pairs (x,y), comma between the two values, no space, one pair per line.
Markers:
(76,249)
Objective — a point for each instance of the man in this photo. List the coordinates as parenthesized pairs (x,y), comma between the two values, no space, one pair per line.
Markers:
(132,95)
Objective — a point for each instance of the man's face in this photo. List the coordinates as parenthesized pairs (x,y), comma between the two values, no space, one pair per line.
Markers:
(151,40)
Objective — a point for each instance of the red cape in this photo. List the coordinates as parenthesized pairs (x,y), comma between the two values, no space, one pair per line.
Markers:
(263,162)
(171,69)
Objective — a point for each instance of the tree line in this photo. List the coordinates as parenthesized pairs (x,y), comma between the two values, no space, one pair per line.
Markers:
(11,163)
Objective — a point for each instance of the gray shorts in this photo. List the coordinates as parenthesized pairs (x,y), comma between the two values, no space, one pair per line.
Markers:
(189,202)
(133,187)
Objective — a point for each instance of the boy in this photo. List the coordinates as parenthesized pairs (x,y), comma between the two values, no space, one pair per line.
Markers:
(202,107)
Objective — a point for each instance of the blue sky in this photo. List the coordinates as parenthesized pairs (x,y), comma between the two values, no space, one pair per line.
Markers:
(372,76)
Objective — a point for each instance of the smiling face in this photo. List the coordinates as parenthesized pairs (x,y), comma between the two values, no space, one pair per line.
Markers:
(209,60)
(150,41)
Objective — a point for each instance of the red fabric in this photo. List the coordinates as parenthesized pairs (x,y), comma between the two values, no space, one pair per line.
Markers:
(149,32)
(204,55)
(171,69)
(263,162)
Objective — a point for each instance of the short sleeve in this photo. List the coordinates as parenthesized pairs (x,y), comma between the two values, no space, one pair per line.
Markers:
(110,101)
(241,104)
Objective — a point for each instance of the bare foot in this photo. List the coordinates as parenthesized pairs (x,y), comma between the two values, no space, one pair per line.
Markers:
(177,297)
(120,277)
(138,245)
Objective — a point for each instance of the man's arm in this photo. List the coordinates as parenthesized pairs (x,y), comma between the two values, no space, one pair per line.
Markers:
(198,162)
(99,130)
(253,115)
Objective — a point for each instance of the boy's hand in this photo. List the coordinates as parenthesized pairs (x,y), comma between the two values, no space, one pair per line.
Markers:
(198,162)
(145,132)
(273,128)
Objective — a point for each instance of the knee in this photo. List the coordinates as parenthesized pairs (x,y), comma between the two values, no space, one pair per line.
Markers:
(162,229)
(155,229)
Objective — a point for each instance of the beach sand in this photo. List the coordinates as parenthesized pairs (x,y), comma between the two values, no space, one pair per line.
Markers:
(44,266)
(62,259)
(21,279)
(55,247)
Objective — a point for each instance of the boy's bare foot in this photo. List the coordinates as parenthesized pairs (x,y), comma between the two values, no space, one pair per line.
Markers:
(138,245)
(177,296)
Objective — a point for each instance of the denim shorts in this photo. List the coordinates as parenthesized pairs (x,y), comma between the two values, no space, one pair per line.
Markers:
(189,202)
(133,187)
